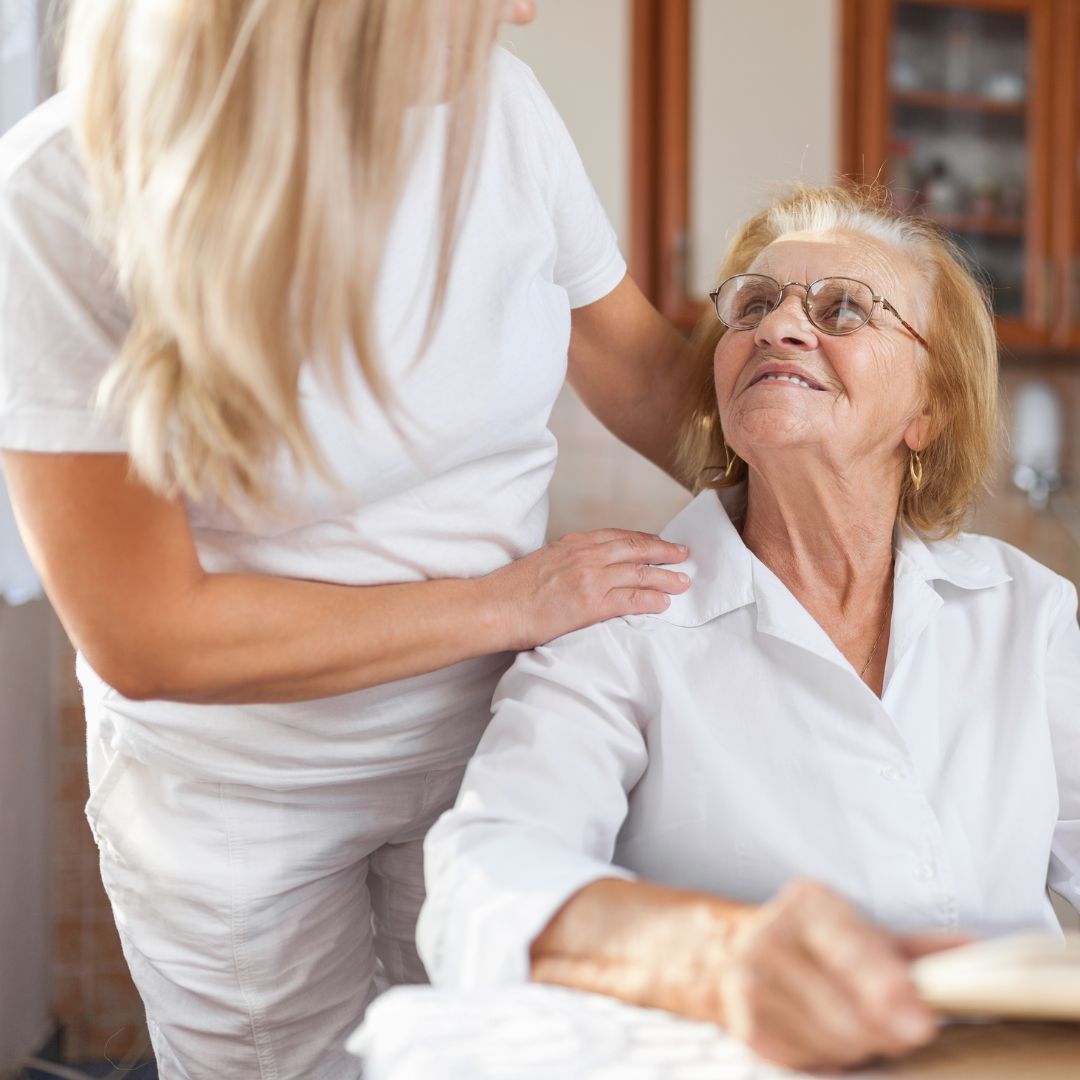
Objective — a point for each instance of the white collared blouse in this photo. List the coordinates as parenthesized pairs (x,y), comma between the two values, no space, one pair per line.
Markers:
(727,745)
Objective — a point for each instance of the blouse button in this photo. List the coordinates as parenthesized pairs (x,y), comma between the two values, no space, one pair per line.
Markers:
(925,872)
(890,772)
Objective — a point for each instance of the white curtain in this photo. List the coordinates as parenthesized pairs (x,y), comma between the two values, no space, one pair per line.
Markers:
(18,95)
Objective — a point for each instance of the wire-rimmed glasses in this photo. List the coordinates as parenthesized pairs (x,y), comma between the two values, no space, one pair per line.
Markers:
(835,305)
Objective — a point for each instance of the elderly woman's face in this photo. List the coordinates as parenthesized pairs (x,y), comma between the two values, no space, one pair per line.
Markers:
(859,396)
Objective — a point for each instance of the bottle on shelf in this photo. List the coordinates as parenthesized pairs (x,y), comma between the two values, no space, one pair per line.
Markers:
(941,192)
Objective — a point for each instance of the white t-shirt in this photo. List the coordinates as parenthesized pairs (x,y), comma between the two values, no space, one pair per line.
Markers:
(463,494)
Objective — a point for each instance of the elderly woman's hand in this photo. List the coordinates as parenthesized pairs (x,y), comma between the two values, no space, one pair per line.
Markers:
(809,983)
(579,580)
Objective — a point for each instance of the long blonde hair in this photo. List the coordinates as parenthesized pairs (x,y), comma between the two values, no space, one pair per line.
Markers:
(245,158)
(959,376)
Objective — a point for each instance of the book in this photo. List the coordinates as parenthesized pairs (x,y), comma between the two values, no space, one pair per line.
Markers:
(1018,976)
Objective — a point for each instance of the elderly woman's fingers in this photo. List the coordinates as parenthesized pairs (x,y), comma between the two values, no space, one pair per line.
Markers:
(776,1027)
(915,945)
(870,963)
(786,1008)
(772,970)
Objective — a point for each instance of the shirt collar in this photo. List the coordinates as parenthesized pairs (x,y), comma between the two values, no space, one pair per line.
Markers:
(721,566)
(944,560)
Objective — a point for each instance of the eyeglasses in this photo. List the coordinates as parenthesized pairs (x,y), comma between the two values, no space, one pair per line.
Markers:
(835,305)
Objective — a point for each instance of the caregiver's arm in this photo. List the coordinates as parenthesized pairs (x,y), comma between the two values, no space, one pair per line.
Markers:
(803,980)
(120,566)
(634,371)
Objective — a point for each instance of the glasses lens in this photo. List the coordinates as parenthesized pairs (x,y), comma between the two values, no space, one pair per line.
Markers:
(839,305)
(744,300)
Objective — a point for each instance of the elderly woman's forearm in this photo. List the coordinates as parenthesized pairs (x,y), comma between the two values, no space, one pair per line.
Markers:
(642,943)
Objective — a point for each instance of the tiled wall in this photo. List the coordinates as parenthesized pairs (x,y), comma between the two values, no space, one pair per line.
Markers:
(598,483)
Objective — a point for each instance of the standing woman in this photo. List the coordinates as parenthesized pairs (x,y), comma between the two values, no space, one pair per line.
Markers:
(286,295)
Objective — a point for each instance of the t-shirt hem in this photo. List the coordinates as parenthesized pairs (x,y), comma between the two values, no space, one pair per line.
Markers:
(58,432)
(596,286)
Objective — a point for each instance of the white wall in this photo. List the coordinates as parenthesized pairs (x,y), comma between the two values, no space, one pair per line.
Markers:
(765,111)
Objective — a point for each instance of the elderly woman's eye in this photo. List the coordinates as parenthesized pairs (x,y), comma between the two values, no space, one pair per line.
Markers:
(841,310)
(751,307)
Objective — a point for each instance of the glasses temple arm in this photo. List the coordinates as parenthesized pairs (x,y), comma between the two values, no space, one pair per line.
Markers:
(904,323)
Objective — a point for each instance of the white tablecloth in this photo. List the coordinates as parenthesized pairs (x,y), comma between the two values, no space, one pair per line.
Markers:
(546,1033)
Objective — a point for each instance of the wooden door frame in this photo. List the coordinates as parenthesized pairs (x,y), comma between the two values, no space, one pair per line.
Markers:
(1065,199)
(660,155)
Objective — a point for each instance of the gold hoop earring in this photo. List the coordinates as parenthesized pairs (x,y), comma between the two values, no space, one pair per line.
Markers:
(915,469)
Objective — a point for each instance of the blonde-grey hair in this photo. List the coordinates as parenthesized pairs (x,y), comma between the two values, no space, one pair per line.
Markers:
(245,158)
(959,375)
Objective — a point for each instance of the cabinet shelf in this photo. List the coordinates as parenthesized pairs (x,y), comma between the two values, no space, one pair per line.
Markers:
(943,102)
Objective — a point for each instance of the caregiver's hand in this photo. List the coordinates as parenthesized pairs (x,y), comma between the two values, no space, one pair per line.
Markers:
(810,984)
(582,579)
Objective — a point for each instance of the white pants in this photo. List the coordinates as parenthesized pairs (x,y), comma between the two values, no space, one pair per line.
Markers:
(252,920)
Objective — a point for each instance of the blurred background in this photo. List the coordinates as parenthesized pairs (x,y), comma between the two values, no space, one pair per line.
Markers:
(689,114)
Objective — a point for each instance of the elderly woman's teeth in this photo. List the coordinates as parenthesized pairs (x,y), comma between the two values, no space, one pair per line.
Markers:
(787,378)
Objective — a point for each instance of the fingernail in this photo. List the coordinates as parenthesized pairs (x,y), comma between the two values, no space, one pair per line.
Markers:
(667,599)
(912,1026)
(684,578)
(682,547)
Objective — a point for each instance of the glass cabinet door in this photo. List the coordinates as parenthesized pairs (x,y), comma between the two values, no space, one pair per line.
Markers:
(965,141)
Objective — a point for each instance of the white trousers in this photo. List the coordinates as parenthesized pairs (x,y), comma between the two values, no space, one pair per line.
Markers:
(253,920)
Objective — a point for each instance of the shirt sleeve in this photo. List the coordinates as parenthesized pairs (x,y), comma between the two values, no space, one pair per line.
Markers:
(539,810)
(62,320)
(1063,699)
(588,263)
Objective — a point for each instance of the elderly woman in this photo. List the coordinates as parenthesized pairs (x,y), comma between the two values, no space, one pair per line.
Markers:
(855,739)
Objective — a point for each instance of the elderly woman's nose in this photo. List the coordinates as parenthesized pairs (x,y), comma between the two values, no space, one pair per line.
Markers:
(787,324)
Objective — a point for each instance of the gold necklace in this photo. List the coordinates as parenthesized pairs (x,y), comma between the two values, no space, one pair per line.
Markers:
(880,634)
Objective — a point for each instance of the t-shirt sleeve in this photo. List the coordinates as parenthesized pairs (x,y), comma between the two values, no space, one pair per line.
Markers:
(62,320)
(588,262)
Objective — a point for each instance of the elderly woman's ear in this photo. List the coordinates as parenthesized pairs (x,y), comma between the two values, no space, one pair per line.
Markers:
(923,429)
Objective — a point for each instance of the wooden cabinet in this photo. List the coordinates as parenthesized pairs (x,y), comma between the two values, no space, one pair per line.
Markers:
(1064,195)
(969,111)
